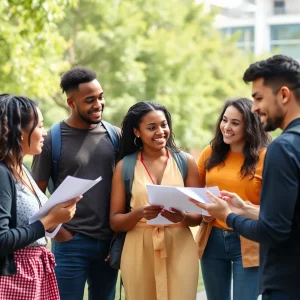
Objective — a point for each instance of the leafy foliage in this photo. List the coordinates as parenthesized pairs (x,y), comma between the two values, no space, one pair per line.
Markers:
(167,51)
(31,48)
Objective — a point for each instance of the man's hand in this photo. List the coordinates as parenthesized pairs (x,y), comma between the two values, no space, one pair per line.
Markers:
(63,235)
(241,207)
(236,204)
(218,209)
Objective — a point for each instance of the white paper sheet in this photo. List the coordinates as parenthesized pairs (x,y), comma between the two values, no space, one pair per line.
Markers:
(70,188)
(177,197)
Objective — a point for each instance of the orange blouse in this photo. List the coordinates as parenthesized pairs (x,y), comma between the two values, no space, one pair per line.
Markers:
(227,177)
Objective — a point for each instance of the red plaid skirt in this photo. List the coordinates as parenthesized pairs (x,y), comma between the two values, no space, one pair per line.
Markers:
(35,278)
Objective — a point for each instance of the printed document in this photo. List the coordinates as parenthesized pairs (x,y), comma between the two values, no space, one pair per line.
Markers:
(177,197)
(70,188)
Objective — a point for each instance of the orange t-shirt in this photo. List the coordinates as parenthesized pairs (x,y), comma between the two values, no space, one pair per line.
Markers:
(227,177)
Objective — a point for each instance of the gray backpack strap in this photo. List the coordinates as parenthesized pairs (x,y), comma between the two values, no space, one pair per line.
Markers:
(56,151)
(181,162)
(128,166)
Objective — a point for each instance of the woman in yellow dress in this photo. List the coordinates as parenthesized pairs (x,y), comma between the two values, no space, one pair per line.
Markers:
(158,261)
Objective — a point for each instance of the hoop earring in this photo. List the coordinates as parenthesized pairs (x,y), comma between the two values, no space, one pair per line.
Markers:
(135,143)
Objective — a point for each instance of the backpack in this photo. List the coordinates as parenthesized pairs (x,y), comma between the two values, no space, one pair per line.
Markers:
(56,149)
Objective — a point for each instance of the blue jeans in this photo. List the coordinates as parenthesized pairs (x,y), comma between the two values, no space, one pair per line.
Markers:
(221,261)
(275,295)
(82,259)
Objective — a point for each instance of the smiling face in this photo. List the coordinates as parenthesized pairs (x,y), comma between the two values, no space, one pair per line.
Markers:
(87,103)
(36,140)
(266,105)
(233,129)
(153,130)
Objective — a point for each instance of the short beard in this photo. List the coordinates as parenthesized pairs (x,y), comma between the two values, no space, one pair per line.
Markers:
(274,123)
(88,120)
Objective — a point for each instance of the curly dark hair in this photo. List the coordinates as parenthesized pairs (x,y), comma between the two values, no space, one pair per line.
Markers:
(132,120)
(77,75)
(16,114)
(255,139)
(277,71)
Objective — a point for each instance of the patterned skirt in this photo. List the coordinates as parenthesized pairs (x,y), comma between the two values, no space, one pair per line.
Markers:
(35,278)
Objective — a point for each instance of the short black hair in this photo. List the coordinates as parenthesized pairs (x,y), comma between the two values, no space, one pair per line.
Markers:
(277,71)
(77,75)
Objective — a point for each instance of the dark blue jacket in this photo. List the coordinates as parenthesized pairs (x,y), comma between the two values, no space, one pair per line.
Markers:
(277,230)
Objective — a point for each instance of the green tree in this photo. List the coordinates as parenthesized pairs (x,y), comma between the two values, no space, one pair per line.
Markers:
(167,51)
(31,48)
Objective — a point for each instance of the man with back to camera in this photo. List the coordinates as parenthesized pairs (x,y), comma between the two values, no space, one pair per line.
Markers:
(81,246)
(276,95)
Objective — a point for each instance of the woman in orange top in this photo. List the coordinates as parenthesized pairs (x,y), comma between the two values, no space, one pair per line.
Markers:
(233,162)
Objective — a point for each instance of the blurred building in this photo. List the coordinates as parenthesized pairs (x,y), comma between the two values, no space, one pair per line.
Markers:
(263,25)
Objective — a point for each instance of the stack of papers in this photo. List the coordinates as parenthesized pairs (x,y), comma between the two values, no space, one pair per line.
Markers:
(177,197)
(70,188)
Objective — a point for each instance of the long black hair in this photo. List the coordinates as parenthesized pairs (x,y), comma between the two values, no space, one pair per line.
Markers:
(132,120)
(255,139)
(16,114)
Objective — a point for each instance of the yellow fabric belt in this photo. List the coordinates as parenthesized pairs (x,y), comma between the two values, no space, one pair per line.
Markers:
(160,255)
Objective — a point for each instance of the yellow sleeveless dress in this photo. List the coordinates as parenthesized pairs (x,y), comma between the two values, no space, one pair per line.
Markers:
(158,262)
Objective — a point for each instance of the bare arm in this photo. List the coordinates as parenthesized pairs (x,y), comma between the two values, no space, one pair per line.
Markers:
(251,211)
(119,220)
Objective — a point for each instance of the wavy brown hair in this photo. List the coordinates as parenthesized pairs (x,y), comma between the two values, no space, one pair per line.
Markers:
(16,114)
(255,139)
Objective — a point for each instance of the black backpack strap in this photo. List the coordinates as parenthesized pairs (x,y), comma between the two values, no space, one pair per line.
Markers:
(128,166)
(181,161)
(112,134)
(55,152)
